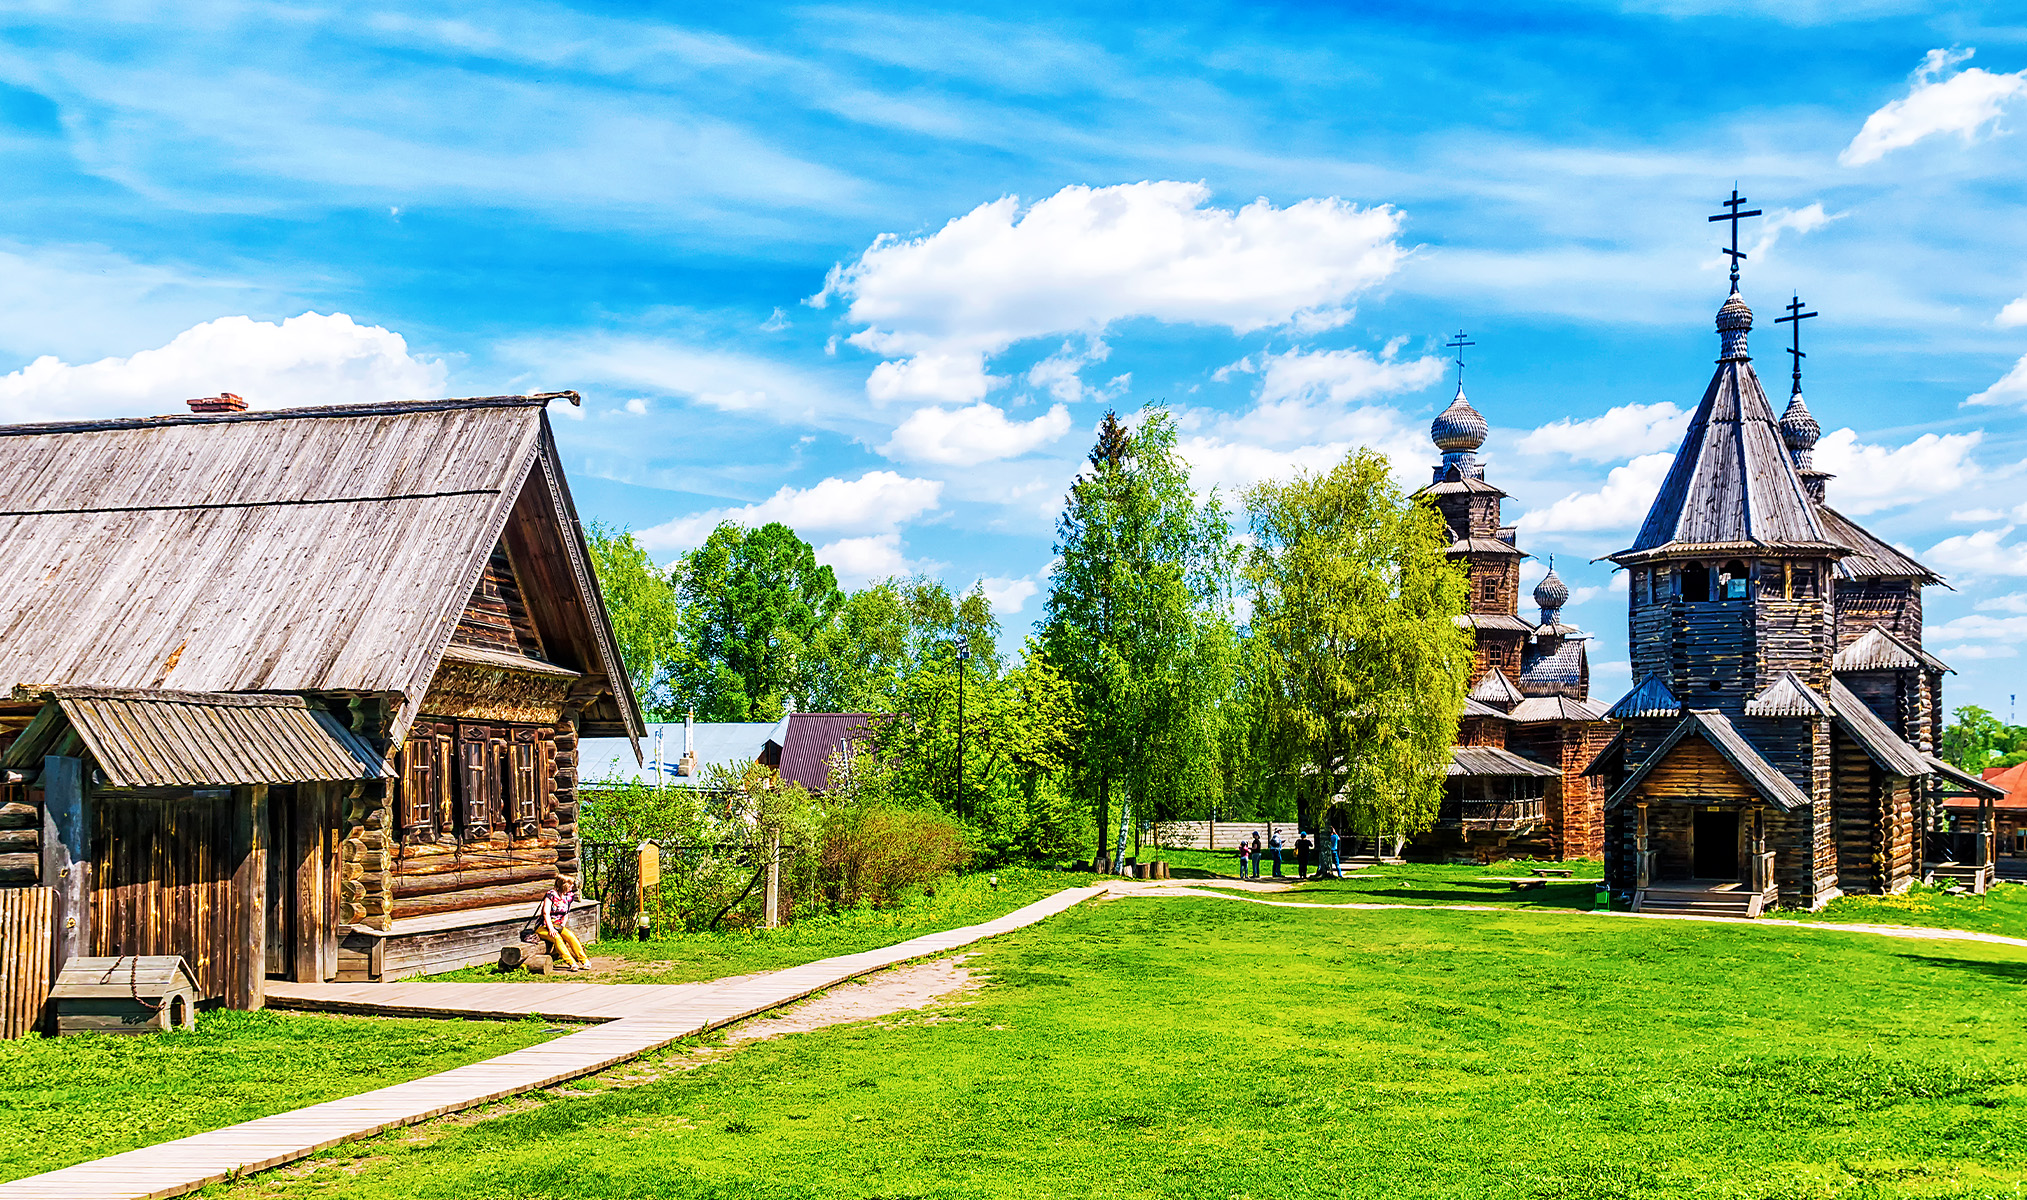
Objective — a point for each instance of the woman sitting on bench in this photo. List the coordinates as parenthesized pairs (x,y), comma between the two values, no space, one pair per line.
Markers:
(564,947)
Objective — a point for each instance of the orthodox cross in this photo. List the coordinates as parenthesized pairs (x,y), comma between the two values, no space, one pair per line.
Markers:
(1735,216)
(1458,343)
(1795,317)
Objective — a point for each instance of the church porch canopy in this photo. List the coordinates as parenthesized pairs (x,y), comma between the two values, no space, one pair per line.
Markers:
(1715,729)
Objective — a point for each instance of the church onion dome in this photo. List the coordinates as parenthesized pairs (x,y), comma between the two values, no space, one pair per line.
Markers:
(1458,427)
(1551,592)
(1799,430)
(1734,321)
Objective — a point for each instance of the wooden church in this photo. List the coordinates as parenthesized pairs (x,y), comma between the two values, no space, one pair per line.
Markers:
(296,694)
(1778,743)
(1515,785)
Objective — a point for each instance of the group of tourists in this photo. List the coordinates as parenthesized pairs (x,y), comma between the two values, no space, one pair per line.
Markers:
(1252,855)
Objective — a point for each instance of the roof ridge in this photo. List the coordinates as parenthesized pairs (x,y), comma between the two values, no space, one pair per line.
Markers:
(373,409)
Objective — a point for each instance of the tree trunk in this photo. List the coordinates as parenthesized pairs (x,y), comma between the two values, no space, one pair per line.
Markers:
(1104,818)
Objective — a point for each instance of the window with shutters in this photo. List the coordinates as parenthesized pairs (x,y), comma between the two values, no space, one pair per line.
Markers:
(475,781)
(527,790)
(419,781)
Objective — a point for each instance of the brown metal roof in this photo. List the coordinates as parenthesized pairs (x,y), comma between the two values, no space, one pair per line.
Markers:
(199,739)
(1491,760)
(1732,482)
(293,550)
(811,740)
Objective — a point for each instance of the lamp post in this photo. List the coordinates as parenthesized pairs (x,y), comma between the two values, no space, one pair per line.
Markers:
(963,656)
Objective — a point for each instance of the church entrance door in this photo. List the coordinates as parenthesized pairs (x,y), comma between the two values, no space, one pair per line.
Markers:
(1714,845)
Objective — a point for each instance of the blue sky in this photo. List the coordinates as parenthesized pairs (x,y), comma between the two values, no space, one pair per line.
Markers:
(877,271)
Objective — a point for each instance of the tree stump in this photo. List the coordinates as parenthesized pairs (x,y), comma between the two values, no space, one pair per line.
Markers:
(511,957)
(539,964)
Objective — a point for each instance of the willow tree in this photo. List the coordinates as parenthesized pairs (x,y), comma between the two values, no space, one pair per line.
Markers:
(1138,622)
(1362,666)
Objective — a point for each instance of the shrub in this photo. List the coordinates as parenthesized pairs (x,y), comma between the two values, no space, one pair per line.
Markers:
(875,854)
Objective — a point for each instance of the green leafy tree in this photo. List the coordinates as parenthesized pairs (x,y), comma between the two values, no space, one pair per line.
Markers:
(886,632)
(1362,668)
(1977,739)
(752,602)
(642,603)
(1138,621)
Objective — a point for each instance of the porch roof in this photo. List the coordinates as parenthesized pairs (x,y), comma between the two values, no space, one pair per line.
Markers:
(1493,761)
(196,739)
(1717,729)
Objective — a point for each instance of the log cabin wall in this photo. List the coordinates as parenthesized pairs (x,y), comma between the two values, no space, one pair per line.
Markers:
(20,835)
(497,616)
(1495,583)
(477,817)
(1670,828)
(1857,817)
(1481,731)
(1891,604)
(1713,655)
(1794,635)
(1496,648)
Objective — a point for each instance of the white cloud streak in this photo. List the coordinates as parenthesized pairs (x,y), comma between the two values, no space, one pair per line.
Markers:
(969,436)
(1626,429)
(1936,102)
(878,502)
(1621,504)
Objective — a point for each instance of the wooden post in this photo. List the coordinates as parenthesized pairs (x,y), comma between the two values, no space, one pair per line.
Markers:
(246,973)
(1640,856)
(314,829)
(66,859)
(772,916)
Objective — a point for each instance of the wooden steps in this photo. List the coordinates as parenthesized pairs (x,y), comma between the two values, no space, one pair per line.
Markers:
(1699,902)
(1976,878)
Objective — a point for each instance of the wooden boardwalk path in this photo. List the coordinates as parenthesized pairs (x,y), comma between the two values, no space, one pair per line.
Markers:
(661,1014)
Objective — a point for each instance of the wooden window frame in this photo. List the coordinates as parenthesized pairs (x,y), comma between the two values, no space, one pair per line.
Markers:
(420,774)
(476,779)
(525,808)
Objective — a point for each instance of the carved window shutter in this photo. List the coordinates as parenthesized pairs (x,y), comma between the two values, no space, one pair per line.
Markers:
(444,815)
(527,786)
(473,751)
(499,776)
(546,775)
(418,785)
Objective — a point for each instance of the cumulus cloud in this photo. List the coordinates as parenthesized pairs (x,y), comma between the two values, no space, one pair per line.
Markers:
(1232,466)
(2010,389)
(1626,429)
(1978,627)
(1620,504)
(858,561)
(1008,596)
(2014,314)
(1060,374)
(725,380)
(969,436)
(1871,478)
(1936,102)
(310,359)
(876,502)
(1310,411)
(939,306)
(1985,552)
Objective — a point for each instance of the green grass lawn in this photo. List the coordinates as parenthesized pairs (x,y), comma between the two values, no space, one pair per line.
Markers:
(686,957)
(1195,1048)
(2002,909)
(64,1100)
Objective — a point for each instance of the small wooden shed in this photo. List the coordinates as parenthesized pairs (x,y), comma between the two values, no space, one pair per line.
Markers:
(144,993)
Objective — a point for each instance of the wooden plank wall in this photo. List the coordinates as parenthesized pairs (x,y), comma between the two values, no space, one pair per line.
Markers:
(496,618)
(24,958)
(1891,605)
(163,882)
(20,836)
(1793,635)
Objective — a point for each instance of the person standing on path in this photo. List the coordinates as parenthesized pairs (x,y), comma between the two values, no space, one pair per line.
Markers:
(1243,857)
(1256,854)
(1274,844)
(1302,848)
(1332,863)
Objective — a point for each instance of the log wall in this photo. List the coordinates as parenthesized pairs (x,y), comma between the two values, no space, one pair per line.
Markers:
(1893,605)
(20,836)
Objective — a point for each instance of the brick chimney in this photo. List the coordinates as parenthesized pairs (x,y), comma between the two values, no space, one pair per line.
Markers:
(223,402)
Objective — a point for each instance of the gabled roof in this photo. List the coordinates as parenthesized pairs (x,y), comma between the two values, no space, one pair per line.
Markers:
(810,740)
(1714,727)
(1473,708)
(1732,482)
(1787,696)
(197,739)
(1969,785)
(1878,650)
(1462,486)
(1875,736)
(1499,622)
(1491,760)
(1649,698)
(1496,689)
(1873,558)
(1558,708)
(289,550)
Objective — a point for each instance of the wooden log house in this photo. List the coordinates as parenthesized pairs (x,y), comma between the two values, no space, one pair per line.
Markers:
(1516,783)
(1778,745)
(297,694)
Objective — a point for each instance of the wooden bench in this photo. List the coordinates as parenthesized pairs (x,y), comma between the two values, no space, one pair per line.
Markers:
(1555,872)
(1518,884)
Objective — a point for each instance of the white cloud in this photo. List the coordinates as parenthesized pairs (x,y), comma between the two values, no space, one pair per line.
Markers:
(878,501)
(1976,515)
(1086,257)
(969,436)
(1626,429)
(2015,602)
(1982,553)
(1232,466)
(2014,314)
(637,406)
(1621,504)
(720,379)
(2010,389)
(1008,596)
(1871,478)
(858,561)
(1961,653)
(1341,376)
(1978,627)
(1060,373)
(1962,103)
(310,359)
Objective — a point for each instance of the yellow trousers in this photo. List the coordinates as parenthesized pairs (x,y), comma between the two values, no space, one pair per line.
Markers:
(563,944)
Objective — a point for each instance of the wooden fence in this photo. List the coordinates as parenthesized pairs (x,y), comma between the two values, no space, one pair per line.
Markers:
(24,958)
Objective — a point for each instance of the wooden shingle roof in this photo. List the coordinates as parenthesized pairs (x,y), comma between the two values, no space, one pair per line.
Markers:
(1873,558)
(1732,486)
(289,550)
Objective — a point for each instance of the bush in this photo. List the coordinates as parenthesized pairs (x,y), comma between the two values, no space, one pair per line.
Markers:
(874,854)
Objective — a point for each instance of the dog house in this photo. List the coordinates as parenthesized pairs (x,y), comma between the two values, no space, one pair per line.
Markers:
(143,993)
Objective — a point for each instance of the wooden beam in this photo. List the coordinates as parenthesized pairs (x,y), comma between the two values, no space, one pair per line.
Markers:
(66,859)
(246,972)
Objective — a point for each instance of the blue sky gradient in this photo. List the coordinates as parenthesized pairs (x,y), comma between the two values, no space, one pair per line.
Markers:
(720,225)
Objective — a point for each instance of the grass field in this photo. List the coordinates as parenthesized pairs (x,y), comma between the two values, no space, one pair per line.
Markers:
(686,957)
(1195,1048)
(64,1100)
